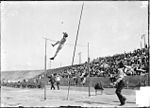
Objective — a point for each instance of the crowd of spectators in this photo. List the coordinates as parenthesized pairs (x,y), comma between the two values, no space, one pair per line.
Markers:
(136,63)
(25,83)
(36,82)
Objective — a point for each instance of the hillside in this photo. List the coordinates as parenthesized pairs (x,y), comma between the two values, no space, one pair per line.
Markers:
(27,74)
(20,75)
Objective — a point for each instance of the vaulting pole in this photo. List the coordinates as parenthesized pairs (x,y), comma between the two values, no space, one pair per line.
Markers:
(75,46)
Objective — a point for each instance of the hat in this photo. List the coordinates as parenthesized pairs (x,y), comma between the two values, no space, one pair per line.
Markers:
(120,65)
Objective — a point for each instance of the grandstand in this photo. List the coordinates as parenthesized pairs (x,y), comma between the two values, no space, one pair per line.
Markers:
(137,60)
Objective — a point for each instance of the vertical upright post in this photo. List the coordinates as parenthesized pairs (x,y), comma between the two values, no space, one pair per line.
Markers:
(89,70)
(45,70)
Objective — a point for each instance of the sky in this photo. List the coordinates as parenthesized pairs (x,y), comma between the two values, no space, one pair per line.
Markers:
(110,27)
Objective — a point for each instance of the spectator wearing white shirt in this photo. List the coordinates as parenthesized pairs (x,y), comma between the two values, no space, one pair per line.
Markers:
(57,81)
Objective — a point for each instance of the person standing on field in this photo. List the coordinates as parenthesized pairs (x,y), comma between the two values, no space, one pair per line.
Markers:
(57,81)
(52,81)
(120,83)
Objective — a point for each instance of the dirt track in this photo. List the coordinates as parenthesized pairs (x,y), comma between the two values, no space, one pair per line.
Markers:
(78,97)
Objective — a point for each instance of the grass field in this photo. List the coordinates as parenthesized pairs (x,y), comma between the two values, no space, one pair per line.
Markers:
(78,96)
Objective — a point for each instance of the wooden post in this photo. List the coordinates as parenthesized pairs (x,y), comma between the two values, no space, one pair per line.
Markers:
(89,71)
(45,68)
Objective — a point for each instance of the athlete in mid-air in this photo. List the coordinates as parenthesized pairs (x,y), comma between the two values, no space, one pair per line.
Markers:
(61,43)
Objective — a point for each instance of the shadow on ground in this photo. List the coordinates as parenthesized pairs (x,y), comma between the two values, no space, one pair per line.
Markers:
(100,103)
(127,102)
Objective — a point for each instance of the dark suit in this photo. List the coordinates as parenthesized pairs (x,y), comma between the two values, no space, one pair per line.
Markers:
(120,84)
(119,87)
